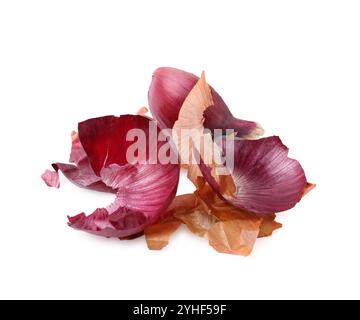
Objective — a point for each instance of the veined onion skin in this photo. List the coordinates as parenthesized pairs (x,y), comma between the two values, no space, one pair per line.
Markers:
(167,92)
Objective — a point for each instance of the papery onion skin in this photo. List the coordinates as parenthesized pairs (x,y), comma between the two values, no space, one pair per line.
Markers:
(143,190)
(168,90)
(79,171)
(82,175)
(266,179)
(121,224)
(51,178)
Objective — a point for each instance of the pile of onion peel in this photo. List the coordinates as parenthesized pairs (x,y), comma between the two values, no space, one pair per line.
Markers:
(230,208)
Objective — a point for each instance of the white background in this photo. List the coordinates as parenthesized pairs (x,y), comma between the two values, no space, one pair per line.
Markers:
(293,66)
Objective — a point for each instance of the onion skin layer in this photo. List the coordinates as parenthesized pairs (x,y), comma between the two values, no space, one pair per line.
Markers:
(169,89)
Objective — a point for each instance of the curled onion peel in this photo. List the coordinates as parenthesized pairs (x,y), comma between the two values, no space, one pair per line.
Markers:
(263,179)
(143,189)
(234,203)
(168,91)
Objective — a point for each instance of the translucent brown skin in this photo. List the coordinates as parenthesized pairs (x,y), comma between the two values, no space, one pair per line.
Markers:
(168,90)
(227,228)
(264,179)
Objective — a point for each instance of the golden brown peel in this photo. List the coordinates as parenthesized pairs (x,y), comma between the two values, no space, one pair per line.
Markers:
(188,134)
(227,228)
(198,221)
(142,111)
(157,236)
(308,188)
(268,226)
(233,237)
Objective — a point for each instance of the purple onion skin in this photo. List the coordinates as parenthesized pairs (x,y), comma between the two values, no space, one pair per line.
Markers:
(167,92)
(266,179)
